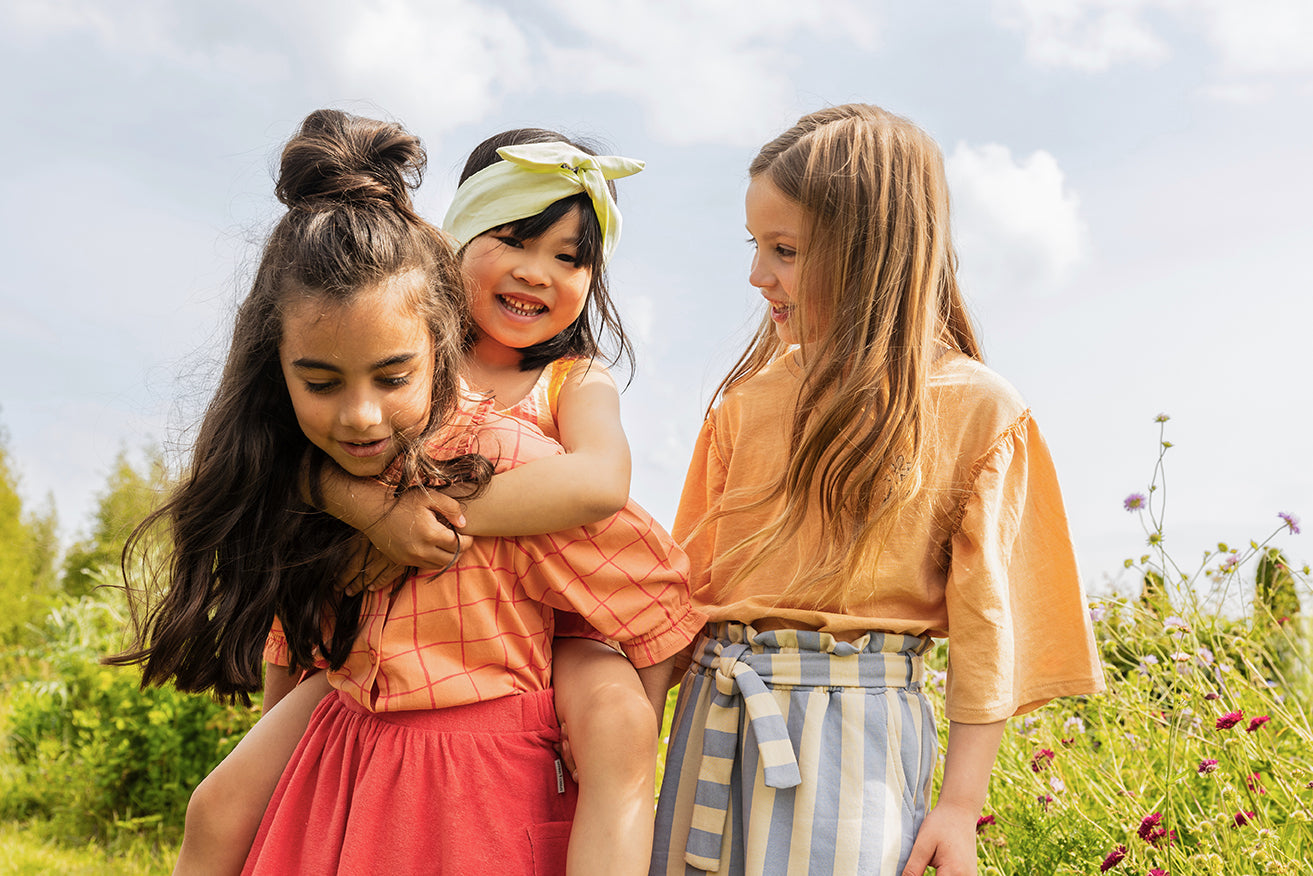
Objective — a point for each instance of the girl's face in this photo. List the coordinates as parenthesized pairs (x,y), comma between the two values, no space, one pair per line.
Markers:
(524,292)
(360,373)
(775,225)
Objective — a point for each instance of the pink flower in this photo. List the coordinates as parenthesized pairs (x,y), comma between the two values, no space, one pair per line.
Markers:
(1041,759)
(1135,502)
(1255,783)
(1207,765)
(983,822)
(1242,818)
(1157,872)
(1230,719)
(1114,858)
(1255,723)
(1148,824)
(1044,800)
(1291,521)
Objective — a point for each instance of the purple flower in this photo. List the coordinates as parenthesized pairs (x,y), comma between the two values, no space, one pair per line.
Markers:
(1230,719)
(1292,522)
(1041,759)
(1242,818)
(1114,858)
(1207,765)
(983,822)
(1255,783)
(1255,723)
(1156,871)
(1135,502)
(1212,695)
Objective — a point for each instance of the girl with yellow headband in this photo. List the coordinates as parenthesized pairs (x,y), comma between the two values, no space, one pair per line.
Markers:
(535,221)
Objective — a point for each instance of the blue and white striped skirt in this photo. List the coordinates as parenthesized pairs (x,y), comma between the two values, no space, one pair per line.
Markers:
(793,752)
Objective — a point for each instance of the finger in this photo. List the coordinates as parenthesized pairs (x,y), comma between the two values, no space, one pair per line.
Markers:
(918,860)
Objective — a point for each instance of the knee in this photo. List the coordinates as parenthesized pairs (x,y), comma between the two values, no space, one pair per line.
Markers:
(219,813)
(617,727)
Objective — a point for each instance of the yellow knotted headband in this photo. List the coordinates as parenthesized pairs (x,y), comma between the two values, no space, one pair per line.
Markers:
(532,177)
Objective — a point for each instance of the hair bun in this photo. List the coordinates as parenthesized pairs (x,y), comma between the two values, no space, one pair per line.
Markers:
(338,159)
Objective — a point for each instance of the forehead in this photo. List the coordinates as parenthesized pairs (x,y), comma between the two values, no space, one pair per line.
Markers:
(373,320)
(769,211)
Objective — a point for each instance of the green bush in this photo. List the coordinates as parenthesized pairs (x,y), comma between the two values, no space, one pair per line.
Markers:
(90,750)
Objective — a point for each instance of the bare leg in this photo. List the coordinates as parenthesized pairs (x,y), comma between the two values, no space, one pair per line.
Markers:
(226,808)
(613,734)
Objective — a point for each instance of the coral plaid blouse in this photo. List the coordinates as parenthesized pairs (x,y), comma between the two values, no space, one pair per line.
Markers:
(483,629)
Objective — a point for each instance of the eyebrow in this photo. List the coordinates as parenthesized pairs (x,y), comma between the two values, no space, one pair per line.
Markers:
(319,365)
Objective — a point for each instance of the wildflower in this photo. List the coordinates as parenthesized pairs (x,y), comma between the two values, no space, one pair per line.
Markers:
(1255,723)
(1229,564)
(1292,522)
(1230,719)
(1175,623)
(1150,659)
(1148,825)
(1242,818)
(1097,612)
(1074,723)
(1207,765)
(1135,502)
(983,822)
(1161,418)
(1255,783)
(1057,784)
(1156,871)
(1114,858)
(1212,695)
(1044,800)
(1041,759)
(1028,725)
(1155,538)
(1205,656)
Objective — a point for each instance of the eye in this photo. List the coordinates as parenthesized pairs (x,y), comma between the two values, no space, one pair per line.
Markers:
(394,380)
(319,387)
(509,240)
(785,252)
(568,258)
(752,242)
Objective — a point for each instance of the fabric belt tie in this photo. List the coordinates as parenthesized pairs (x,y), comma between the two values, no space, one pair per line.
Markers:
(737,685)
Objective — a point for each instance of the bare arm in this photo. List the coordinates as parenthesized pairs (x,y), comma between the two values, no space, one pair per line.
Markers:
(947,839)
(278,683)
(409,530)
(589,483)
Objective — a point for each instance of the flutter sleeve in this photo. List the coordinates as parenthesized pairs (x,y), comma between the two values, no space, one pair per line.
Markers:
(703,487)
(1019,625)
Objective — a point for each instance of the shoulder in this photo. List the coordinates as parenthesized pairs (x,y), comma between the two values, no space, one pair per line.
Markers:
(969,393)
(765,394)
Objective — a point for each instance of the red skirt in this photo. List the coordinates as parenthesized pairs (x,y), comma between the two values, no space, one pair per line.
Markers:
(469,789)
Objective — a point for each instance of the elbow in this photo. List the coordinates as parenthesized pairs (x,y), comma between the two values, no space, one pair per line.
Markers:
(606,503)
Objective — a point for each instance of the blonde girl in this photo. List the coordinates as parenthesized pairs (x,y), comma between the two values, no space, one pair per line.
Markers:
(862,484)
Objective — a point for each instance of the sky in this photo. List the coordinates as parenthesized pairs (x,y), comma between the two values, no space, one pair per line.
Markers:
(1131,182)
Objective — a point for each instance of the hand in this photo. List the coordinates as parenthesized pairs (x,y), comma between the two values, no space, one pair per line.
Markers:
(567,754)
(369,570)
(946,841)
(415,532)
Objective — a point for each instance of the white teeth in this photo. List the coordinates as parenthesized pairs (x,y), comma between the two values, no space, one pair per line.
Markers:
(524,308)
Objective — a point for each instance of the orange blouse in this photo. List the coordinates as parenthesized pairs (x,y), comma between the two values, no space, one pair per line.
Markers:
(483,629)
(983,556)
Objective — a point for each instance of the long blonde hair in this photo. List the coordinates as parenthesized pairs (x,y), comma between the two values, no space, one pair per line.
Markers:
(877,280)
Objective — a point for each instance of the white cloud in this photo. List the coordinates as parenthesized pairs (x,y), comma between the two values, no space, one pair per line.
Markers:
(1262,36)
(1017,226)
(1087,35)
(703,73)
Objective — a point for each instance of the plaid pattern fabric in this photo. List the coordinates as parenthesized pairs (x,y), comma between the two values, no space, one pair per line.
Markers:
(483,629)
(794,752)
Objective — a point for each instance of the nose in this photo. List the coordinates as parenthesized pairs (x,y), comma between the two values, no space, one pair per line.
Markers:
(360,411)
(758,275)
(530,269)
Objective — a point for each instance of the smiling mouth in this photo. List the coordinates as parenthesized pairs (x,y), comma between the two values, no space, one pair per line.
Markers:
(780,311)
(364,448)
(520,307)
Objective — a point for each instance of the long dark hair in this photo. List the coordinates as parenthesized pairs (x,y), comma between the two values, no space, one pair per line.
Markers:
(245,547)
(599,317)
